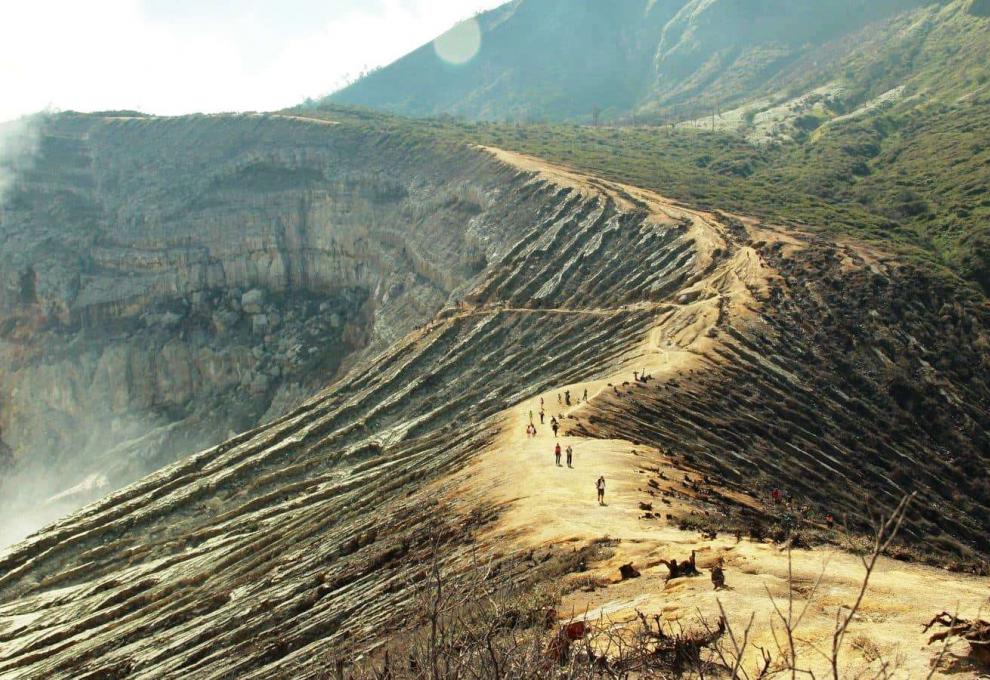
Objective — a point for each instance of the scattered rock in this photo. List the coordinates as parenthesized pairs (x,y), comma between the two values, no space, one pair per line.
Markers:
(628,571)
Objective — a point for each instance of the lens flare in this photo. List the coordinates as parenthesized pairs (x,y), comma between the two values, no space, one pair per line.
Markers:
(460,44)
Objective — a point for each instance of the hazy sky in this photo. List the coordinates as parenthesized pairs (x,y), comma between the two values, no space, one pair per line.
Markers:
(181,56)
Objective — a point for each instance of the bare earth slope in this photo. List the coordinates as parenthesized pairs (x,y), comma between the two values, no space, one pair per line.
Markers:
(778,361)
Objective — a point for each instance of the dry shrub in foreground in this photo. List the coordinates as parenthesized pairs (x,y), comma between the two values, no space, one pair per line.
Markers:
(475,628)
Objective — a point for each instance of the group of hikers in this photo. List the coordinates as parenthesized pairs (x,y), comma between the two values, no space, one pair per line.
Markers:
(531,428)
(570,454)
(563,399)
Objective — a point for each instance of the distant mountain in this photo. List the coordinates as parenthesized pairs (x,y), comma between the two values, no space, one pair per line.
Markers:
(538,58)
(880,107)
(563,59)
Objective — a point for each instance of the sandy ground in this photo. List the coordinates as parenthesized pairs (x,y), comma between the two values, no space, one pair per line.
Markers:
(546,504)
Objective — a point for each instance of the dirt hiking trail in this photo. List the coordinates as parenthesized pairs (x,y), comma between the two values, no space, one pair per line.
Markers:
(549,505)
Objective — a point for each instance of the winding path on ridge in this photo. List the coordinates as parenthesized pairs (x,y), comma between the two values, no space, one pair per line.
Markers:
(546,505)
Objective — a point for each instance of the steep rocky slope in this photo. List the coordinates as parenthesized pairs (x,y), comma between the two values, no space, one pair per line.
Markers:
(167,283)
(779,360)
(560,60)
(872,115)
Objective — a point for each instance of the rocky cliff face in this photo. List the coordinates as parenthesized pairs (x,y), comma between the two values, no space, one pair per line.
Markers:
(780,360)
(165,283)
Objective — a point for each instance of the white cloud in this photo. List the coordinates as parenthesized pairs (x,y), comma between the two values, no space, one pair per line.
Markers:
(210,55)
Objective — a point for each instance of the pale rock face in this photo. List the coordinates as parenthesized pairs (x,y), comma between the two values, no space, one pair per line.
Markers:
(190,277)
(252,301)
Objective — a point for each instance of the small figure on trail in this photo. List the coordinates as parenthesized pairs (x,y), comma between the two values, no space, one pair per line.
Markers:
(718,577)
(531,416)
(560,400)
(585,398)
(541,415)
(531,430)
(635,376)
(555,425)
(600,485)
(776,496)
(570,455)
(556,453)
(541,403)
(567,397)
(829,521)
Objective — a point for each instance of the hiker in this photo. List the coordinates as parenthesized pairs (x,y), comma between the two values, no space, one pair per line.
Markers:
(775,496)
(531,416)
(555,425)
(556,453)
(600,485)
(541,403)
(585,394)
(567,397)
(829,520)
(560,401)
(542,412)
(570,455)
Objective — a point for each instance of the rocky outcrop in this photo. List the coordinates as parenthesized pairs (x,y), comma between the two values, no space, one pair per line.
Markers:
(268,554)
(165,283)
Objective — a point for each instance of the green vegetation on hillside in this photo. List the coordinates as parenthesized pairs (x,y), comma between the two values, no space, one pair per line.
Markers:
(917,181)
(868,120)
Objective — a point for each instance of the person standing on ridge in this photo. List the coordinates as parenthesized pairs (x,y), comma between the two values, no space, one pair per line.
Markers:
(570,455)
(600,485)
(560,401)
(542,413)
(567,397)
(556,453)
(555,425)
(585,394)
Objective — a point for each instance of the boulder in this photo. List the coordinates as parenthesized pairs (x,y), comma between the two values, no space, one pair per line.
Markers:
(628,571)
(252,301)
(260,384)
